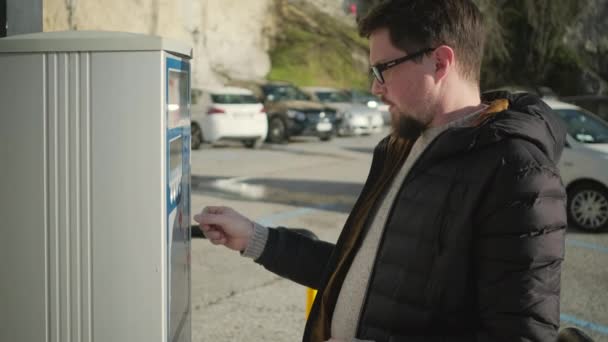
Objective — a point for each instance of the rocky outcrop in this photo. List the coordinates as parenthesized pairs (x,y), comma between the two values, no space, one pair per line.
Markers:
(230,38)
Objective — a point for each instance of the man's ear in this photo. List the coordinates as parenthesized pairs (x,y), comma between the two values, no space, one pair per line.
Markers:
(445,61)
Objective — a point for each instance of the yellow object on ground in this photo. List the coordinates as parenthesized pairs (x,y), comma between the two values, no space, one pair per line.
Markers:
(310,298)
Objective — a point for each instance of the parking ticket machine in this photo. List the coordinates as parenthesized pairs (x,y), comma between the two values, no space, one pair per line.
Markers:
(95,188)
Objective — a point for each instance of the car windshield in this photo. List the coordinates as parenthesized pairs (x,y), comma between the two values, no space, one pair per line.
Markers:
(584,127)
(282,93)
(233,98)
(333,96)
(364,96)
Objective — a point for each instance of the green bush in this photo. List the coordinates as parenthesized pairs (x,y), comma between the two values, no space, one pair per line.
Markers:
(315,49)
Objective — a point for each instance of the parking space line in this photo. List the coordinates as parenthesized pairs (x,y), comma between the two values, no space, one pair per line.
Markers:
(584,324)
(588,245)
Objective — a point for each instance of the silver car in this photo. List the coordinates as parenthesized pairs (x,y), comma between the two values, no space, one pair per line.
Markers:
(584,166)
(372,101)
(351,118)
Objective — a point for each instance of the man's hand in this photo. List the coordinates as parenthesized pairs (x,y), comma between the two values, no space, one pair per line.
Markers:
(225,226)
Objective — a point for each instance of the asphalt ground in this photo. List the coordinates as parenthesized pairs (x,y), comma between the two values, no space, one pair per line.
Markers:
(312,184)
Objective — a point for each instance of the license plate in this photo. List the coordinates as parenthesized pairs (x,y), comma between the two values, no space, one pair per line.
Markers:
(324,126)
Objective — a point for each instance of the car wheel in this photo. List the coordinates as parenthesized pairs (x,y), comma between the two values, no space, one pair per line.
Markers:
(277,130)
(253,143)
(325,137)
(341,131)
(196,136)
(588,207)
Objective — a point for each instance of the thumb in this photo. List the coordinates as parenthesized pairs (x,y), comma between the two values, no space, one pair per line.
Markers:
(215,219)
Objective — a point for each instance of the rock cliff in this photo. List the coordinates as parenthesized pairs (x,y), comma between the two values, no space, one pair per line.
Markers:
(231,39)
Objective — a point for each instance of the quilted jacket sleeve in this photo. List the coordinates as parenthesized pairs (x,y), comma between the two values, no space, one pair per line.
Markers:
(296,256)
(520,247)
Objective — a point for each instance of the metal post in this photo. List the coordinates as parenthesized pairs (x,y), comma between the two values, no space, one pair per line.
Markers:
(22,16)
(2,18)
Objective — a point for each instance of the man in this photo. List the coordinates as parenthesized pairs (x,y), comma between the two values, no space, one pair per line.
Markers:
(458,234)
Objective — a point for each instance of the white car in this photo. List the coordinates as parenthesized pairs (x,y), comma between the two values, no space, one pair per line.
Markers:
(351,118)
(227,113)
(584,166)
(372,101)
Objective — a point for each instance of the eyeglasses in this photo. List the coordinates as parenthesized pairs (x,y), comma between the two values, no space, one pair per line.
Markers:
(379,68)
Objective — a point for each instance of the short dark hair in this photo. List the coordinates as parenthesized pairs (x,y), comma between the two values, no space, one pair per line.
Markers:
(419,24)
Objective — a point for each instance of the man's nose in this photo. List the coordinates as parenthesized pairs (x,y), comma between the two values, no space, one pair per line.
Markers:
(377,88)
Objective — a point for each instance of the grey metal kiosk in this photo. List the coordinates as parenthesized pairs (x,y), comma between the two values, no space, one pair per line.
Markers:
(95,188)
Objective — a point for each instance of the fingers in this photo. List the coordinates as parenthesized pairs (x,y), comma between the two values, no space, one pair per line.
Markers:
(220,241)
(212,210)
(215,210)
(214,235)
(211,219)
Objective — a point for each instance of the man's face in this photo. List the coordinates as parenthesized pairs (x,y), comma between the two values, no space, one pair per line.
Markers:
(408,87)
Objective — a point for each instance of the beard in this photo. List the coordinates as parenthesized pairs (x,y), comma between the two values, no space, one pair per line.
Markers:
(407,127)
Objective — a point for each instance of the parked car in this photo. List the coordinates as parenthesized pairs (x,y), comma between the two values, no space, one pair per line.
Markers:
(584,166)
(352,117)
(372,101)
(227,113)
(292,112)
(598,104)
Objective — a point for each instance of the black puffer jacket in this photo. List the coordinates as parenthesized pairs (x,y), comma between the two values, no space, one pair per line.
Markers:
(473,246)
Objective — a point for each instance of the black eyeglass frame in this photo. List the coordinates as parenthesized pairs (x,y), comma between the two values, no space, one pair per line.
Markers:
(381,67)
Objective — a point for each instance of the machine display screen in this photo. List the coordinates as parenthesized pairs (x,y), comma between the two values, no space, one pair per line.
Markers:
(178,101)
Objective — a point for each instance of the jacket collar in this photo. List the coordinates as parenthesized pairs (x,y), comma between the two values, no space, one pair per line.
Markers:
(521,116)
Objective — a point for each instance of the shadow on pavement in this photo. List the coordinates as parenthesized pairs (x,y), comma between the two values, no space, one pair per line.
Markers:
(323,195)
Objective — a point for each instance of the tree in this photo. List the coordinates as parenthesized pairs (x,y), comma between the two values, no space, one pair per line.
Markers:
(532,32)
(496,54)
(526,42)
(588,38)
